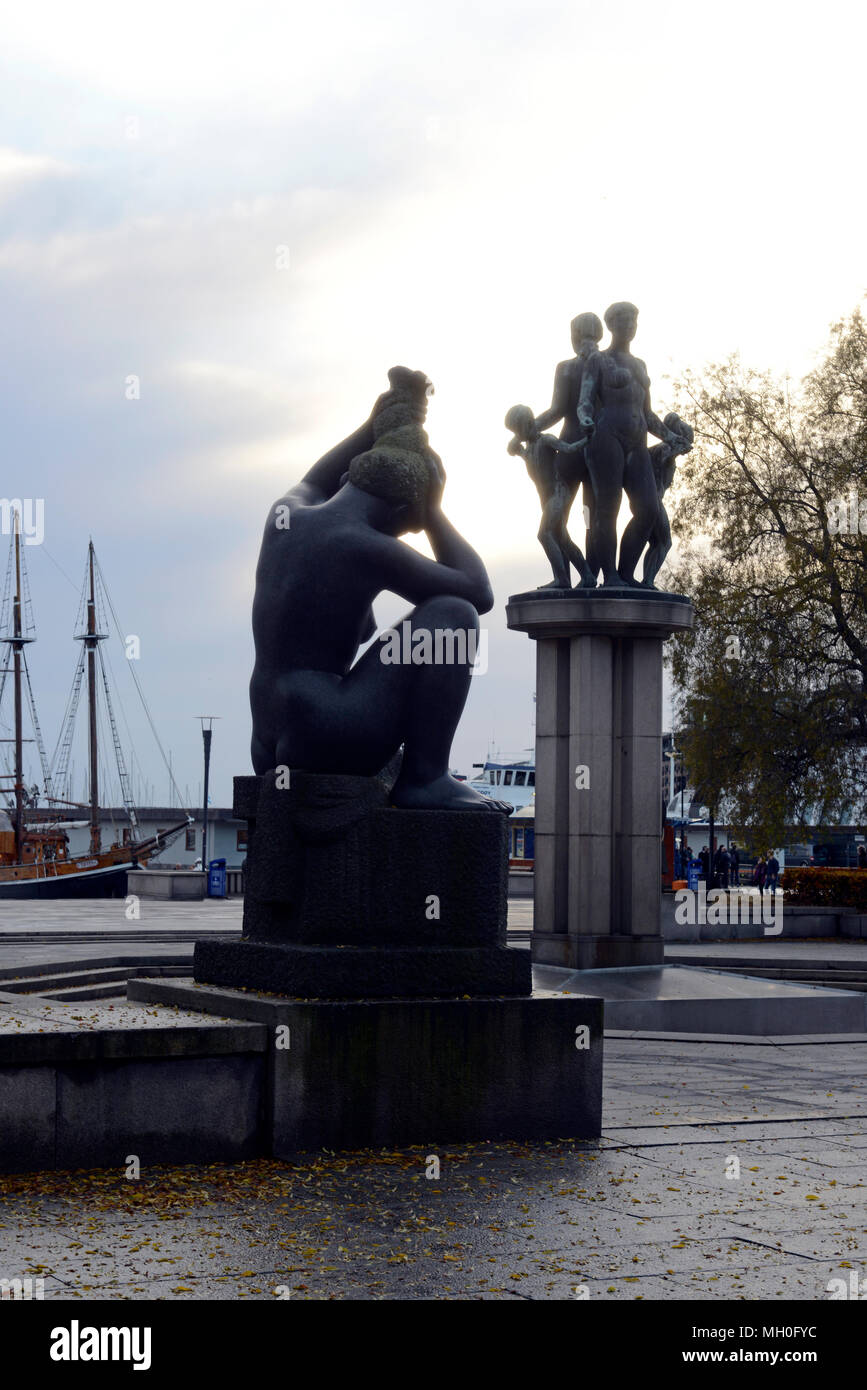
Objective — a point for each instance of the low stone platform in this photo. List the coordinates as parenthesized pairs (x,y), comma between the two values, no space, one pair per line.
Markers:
(684,999)
(88,1085)
(195,1074)
(372,1073)
(180,885)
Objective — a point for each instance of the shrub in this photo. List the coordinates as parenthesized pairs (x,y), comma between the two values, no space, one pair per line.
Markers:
(826,888)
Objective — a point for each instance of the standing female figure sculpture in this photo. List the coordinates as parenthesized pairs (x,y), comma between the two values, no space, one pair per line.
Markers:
(617,455)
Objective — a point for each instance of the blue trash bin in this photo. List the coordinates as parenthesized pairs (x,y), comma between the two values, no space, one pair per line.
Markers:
(216,878)
(692,873)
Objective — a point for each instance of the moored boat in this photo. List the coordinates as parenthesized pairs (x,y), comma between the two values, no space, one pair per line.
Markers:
(35,858)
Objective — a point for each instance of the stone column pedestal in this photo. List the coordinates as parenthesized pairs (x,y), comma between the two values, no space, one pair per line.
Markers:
(598,817)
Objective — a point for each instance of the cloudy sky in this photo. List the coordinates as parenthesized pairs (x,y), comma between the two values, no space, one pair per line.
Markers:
(257,209)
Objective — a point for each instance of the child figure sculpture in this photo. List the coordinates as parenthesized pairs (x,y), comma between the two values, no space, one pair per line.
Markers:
(540,454)
(663,456)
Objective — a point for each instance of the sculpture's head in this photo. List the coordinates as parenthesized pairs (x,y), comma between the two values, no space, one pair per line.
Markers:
(622,321)
(587,331)
(522,422)
(401,477)
(401,469)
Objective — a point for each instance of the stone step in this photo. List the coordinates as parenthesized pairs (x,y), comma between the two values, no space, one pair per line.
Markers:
(84,937)
(37,969)
(42,983)
(854,964)
(847,975)
(59,982)
(824,979)
(106,991)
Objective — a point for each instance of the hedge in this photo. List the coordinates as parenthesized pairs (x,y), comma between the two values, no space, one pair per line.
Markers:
(826,888)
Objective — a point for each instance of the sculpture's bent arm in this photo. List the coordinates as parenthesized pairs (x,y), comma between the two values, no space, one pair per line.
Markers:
(457,571)
(655,425)
(560,445)
(456,553)
(323,479)
(559,399)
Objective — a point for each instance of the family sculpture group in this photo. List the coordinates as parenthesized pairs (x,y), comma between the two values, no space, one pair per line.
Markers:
(603,400)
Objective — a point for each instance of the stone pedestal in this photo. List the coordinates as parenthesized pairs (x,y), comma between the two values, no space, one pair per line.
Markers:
(348,898)
(598,803)
(405,1018)
(348,1074)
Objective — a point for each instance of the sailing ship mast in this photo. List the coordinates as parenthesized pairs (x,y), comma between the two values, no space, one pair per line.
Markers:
(17,644)
(16,665)
(91,639)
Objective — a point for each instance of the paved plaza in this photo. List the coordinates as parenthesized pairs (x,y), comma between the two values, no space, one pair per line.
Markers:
(646,1213)
(726,1169)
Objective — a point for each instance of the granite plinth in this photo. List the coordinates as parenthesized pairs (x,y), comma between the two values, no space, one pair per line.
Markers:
(363,972)
(374,1073)
(347,897)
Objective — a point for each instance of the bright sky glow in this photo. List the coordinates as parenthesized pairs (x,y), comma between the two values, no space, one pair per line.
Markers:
(452,184)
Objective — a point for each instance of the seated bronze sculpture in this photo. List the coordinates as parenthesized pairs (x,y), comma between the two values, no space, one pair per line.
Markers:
(331,545)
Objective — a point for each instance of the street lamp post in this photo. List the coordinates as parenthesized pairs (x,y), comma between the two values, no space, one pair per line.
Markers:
(671,755)
(206,719)
(674,754)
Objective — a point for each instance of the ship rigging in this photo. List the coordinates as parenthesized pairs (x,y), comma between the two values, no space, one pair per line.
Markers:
(35,859)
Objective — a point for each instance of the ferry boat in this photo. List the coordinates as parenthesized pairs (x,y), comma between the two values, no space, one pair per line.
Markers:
(505,779)
(35,861)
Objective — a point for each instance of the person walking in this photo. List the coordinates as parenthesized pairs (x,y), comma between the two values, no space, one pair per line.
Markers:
(734,865)
(862,856)
(773,873)
(704,861)
(721,867)
(760,874)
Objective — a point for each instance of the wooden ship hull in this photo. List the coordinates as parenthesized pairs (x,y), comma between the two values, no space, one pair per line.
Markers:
(73,881)
(101,875)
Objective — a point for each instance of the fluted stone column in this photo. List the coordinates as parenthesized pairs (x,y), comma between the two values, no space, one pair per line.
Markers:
(598,787)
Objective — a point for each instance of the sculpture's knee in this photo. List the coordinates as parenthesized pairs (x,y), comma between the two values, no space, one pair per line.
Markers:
(450,628)
(446,611)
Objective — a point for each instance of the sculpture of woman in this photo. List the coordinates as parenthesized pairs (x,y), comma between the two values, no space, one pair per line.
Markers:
(617,455)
